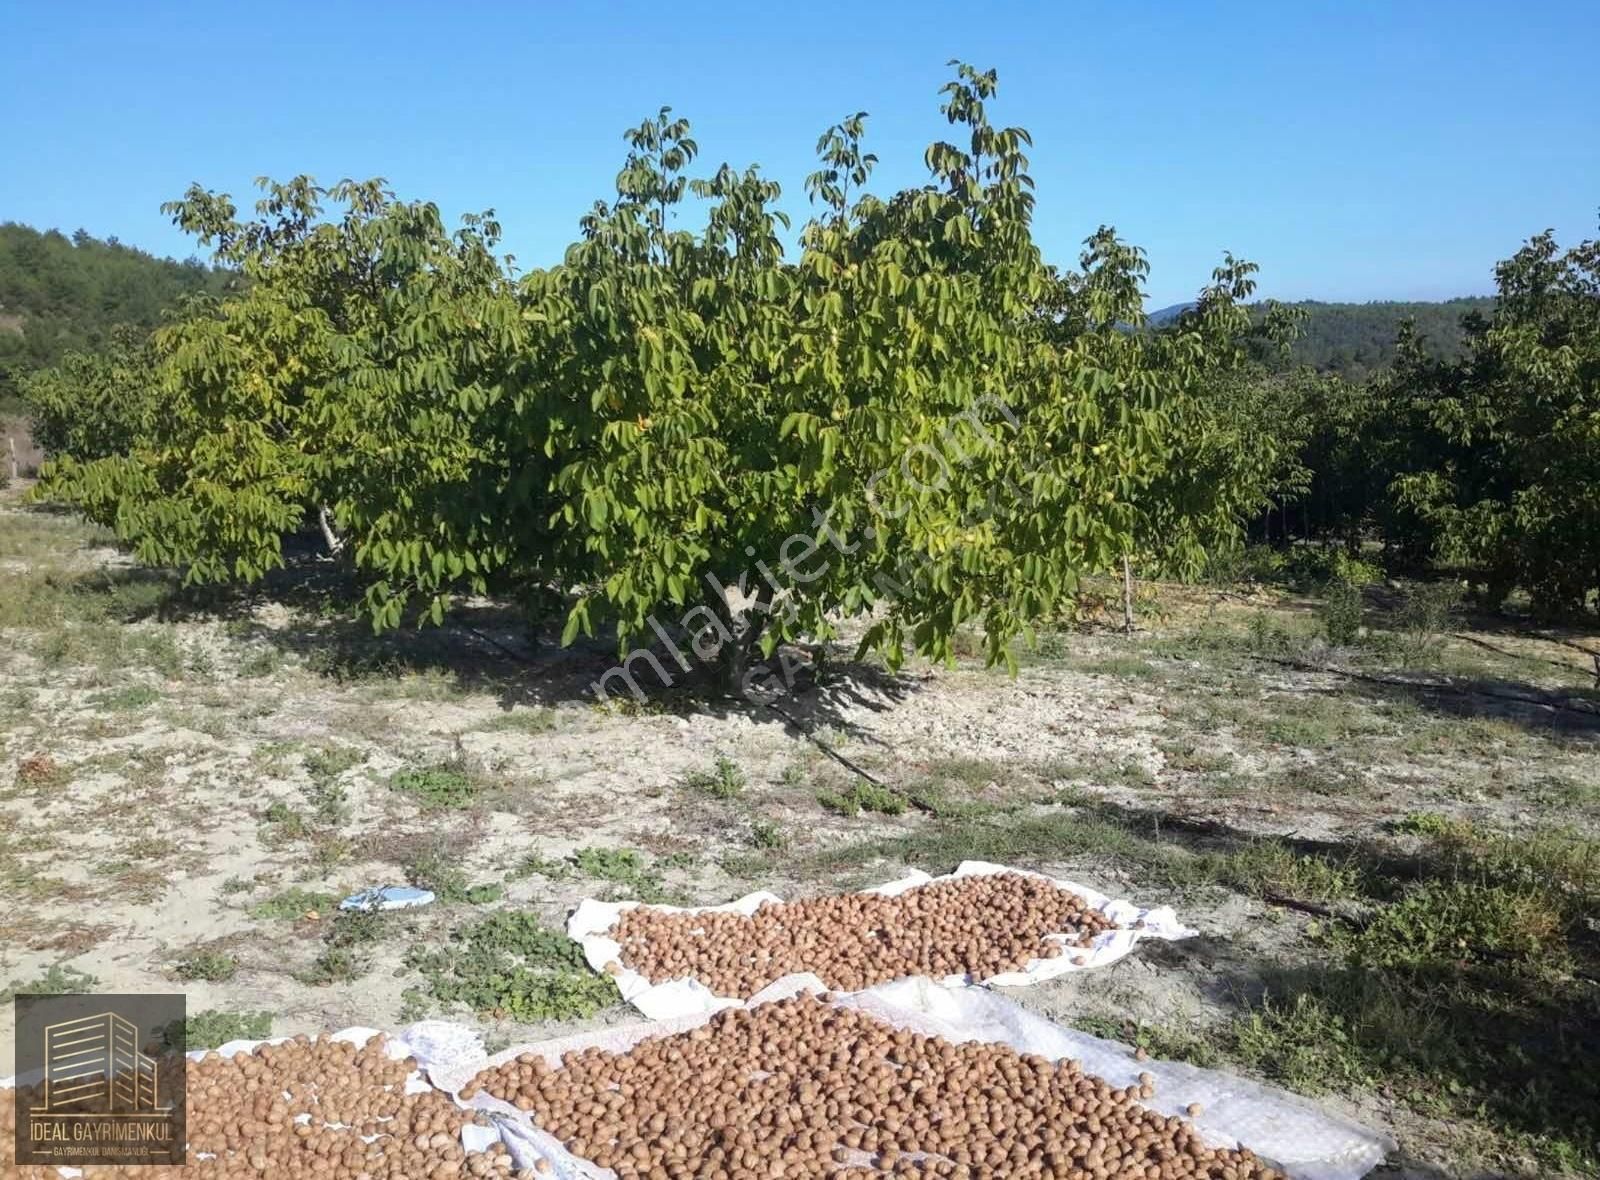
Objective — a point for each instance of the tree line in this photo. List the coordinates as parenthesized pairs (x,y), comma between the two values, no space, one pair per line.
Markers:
(60,295)
(687,434)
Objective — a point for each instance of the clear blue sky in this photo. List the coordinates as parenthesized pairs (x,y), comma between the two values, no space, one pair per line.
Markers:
(1355,150)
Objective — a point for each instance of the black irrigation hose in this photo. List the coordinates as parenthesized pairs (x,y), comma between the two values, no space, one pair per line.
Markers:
(520,657)
(919,804)
(1564,665)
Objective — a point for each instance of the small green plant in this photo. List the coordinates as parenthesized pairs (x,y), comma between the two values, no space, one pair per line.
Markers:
(1266,868)
(862,796)
(1303,1043)
(285,822)
(336,964)
(353,928)
(211,966)
(723,781)
(1458,921)
(1303,778)
(326,793)
(528,721)
(508,965)
(57,981)
(445,786)
(535,864)
(1167,1043)
(1309,569)
(1119,667)
(1303,730)
(260,661)
(293,903)
(213,1027)
(1246,563)
(126,699)
(1427,823)
(609,864)
(347,939)
(1190,757)
(768,835)
(626,869)
(840,803)
(435,869)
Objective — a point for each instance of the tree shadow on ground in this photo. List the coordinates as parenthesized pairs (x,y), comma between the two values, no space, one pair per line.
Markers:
(1504,1043)
(488,646)
(1567,712)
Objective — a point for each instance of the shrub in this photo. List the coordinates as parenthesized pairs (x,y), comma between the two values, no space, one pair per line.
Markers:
(1309,568)
(1425,613)
(438,871)
(1341,612)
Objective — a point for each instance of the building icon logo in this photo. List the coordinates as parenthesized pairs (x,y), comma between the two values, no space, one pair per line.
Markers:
(101,1080)
(93,1066)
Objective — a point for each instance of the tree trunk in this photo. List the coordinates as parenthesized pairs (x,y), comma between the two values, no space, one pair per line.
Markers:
(330,537)
(746,626)
(1127,595)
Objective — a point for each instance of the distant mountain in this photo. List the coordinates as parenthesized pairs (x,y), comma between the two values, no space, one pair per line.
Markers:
(1160,319)
(1354,339)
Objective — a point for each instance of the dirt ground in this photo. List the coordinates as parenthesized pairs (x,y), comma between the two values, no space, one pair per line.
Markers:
(189,783)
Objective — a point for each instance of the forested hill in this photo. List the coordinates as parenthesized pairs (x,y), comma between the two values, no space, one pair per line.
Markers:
(1356,338)
(58,294)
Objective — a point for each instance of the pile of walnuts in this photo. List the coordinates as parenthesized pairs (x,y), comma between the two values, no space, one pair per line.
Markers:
(248,1113)
(975,926)
(800,1088)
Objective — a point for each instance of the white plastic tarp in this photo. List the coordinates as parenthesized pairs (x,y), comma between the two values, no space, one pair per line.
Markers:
(1304,1141)
(396,1050)
(592,921)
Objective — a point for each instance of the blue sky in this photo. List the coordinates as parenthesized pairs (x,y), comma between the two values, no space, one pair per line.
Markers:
(1355,150)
